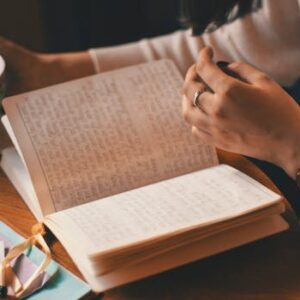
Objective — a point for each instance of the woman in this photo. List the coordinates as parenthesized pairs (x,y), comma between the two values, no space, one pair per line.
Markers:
(267,38)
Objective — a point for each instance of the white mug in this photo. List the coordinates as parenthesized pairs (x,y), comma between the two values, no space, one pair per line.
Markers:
(2,78)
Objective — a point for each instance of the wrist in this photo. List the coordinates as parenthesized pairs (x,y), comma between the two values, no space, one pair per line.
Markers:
(68,66)
(292,166)
(288,154)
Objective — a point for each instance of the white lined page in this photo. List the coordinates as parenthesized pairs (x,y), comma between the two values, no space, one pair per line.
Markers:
(202,197)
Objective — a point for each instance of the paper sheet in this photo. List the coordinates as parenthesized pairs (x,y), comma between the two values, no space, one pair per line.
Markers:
(106,134)
(198,198)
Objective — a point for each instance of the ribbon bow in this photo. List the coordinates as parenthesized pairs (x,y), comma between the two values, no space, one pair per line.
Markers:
(7,276)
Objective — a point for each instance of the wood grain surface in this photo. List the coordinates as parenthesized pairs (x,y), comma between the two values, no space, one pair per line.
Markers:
(267,269)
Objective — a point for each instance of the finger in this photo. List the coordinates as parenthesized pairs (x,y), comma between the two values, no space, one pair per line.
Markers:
(194,116)
(192,78)
(204,136)
(212,75)
(192,85)
(206,101)
(192,74)
(247,72)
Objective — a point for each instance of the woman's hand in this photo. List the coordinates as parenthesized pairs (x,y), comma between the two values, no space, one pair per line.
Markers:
(254,117)
(28,70)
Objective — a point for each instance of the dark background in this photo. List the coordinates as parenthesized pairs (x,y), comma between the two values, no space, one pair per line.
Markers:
(65,25)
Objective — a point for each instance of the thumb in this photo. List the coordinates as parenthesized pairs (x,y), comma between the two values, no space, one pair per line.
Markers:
(246,72)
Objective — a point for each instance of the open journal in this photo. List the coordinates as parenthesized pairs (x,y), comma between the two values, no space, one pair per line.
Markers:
(108,165)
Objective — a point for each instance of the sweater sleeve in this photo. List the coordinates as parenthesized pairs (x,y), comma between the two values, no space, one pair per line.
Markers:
(268,39)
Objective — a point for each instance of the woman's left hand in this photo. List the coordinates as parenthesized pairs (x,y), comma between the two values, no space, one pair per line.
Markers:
(253,116)
(28,70)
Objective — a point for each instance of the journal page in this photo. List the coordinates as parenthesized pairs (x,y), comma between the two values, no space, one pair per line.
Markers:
(105,134)
(162,209)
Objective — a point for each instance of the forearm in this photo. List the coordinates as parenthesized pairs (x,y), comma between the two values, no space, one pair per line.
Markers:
(68,66)
(262,39)
(179,46)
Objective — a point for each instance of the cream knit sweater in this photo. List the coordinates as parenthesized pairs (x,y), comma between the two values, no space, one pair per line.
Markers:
(268,39)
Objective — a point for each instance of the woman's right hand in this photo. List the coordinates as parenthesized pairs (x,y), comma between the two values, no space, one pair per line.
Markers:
(253,116)
(27,70)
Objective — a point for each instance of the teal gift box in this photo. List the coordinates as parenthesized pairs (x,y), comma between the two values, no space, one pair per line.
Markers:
(62,284)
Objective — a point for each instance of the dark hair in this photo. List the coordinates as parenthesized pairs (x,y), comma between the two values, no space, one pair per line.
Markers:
(208,15)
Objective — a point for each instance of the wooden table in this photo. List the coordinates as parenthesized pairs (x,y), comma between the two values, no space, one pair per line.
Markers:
(267,269)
